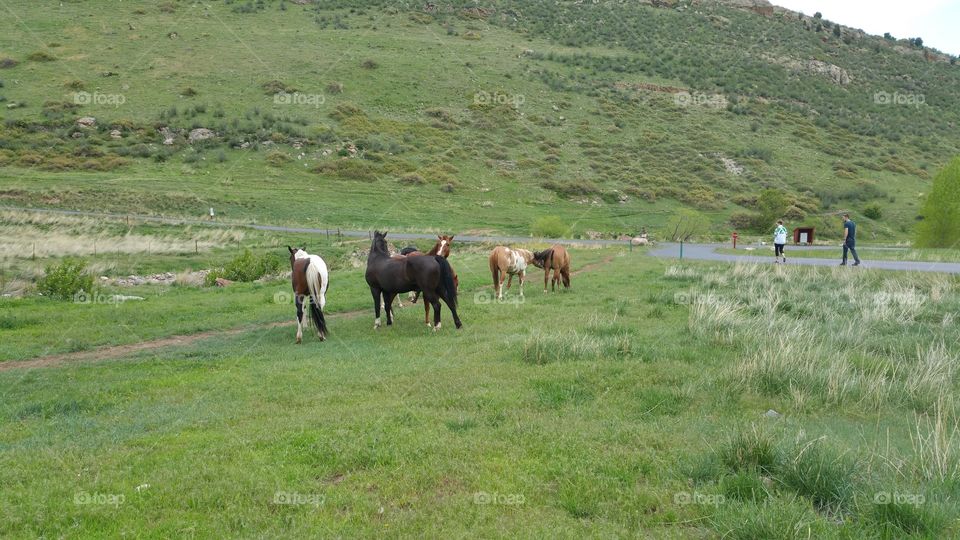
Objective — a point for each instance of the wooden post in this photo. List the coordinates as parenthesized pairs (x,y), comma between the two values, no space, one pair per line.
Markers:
(196,246)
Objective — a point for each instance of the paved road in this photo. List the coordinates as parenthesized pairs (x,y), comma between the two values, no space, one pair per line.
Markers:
(707,252)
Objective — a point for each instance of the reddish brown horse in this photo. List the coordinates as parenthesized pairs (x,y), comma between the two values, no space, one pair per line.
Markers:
(557,259)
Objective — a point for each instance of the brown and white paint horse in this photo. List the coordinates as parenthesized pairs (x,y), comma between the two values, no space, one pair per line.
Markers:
(557,259)
(310,282)
(506,263)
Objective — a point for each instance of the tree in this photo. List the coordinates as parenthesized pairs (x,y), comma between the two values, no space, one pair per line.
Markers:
(771,205)
(888,36)
(941,212)
(686,224)
(836,30)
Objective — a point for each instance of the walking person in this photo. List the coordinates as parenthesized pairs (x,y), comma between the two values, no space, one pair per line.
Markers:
(849,240)
(779,240)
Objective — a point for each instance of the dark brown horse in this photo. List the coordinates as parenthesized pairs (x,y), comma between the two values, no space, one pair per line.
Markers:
(310,281)
(442,248)
(388,276)
(557,259)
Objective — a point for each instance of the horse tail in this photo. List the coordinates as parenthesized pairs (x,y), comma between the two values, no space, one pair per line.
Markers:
(448,287)
(317,289)
(495,270)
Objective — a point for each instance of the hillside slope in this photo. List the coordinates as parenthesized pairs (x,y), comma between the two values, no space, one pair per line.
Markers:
(463,116)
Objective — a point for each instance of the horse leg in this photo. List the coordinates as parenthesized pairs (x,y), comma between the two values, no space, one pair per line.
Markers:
(426,313)
(546,277)
(389,300)
(376,307)
(509,280)
(453,312)
(503,275)
(298,299)
(522,276)
(565,273)
(436,313)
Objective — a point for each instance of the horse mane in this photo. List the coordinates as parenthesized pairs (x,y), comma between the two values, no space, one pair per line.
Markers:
(408,250)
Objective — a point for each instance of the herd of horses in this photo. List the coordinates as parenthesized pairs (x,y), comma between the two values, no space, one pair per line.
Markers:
(429,275)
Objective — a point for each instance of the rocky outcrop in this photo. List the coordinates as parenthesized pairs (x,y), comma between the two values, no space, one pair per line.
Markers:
(761,7)
(200,134)
(836,74)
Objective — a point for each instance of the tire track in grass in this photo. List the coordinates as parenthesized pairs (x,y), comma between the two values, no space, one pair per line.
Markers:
(120,351)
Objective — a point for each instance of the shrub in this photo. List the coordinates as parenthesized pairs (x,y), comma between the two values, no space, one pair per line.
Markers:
(941,212)
(246,267)
(275,87)
(41,56)
(549,227)
(278,158)
(65,280)
(873,211)
(369,64)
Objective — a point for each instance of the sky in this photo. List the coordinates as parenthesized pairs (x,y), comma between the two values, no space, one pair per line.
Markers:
(935,21)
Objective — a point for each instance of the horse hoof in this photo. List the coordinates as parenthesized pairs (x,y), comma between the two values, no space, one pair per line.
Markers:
(437,327)
(299,341)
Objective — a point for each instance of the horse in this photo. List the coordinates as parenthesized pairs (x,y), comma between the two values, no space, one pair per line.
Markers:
(557,259)
(506,262)
(310,282)
(387,276)
(442,248)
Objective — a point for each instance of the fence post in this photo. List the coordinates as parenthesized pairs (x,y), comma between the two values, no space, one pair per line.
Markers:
(681,250)
(196,246)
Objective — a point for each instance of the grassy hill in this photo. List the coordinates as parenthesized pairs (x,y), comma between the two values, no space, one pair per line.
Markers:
(462,116)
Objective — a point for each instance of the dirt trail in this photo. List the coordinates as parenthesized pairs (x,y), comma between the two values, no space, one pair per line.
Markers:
(120,351)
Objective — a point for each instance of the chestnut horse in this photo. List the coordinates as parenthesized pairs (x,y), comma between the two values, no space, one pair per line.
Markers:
(310,282)
(387,276)
(506,262)
(557,259)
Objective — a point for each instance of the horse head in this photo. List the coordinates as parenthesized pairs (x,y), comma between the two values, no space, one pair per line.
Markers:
(540,257)
(379,244)
(443,245)
(298,253)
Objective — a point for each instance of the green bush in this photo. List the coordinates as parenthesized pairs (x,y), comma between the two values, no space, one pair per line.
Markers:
(873,211)
(549,227)
(65,280)
(941,212)
(246,267)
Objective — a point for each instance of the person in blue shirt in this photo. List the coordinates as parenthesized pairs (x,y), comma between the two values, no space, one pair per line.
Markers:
(779,240)
(849,240)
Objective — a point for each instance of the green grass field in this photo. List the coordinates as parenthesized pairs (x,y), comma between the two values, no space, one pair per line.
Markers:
(631,405)
(654,399)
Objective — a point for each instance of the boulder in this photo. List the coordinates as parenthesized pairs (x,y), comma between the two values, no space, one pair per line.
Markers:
(200,134)
(86,121)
